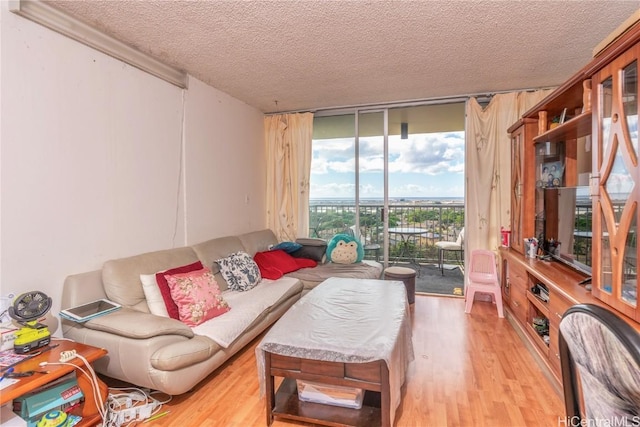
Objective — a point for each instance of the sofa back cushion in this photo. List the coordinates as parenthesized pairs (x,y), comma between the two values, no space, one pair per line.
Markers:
(258,241)
(211,250)
(121,277)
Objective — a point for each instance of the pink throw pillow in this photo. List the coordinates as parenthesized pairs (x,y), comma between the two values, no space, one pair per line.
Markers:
(197,296)
(172,308)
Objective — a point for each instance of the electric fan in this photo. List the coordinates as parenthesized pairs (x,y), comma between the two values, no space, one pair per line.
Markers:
(27,309)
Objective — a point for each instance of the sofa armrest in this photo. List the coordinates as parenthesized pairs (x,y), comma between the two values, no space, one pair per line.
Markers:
(82,288)
(136,324)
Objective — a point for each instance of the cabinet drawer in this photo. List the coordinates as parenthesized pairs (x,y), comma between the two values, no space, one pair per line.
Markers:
(554,351)
(557,307)
(518,303)
(517,276)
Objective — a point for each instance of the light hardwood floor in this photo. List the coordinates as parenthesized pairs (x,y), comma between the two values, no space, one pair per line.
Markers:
(469,370)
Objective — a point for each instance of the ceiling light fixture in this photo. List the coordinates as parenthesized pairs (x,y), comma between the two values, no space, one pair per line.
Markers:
(75,29)
(404,130)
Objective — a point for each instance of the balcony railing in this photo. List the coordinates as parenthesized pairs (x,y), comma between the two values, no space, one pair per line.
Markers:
(442,221)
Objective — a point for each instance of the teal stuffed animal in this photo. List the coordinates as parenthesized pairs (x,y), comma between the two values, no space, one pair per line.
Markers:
(344,249)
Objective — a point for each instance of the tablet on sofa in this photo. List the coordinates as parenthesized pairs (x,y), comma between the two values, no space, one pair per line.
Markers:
(88,311)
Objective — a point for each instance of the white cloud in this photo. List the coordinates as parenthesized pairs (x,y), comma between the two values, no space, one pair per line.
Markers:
(332,190)
(421,166)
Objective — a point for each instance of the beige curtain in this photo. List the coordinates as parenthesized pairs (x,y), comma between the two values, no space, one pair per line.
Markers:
(288,146)
(488,165)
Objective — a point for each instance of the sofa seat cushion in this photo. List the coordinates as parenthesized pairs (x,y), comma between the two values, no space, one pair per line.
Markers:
(311,277)
(184,353)
(246,308)
(135,324)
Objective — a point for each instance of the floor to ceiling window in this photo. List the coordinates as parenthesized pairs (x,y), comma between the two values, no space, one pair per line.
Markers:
(405,161)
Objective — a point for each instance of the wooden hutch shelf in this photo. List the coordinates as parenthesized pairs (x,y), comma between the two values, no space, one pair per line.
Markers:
(576,127)
(601,104)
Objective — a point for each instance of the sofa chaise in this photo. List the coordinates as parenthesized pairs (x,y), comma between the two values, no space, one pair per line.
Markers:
(165,354)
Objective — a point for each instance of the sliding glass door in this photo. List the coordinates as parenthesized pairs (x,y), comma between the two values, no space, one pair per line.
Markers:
(371,189)
(393,177)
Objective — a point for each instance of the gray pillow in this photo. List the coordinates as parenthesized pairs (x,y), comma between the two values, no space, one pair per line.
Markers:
(314,249)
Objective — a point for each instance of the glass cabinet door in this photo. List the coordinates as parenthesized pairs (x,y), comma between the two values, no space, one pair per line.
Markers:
(516,190)
(615,202)
(522,182)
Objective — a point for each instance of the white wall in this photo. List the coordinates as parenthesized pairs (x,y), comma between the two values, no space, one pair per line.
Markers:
(91,166)
(225,159)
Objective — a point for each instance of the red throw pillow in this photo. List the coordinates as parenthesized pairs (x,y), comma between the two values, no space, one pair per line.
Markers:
(274,264)
(305,262)
(163,285)
(268,272)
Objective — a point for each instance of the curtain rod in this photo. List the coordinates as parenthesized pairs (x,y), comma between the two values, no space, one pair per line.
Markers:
(482,97)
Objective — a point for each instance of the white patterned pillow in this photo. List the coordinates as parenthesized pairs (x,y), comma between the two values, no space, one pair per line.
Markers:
(240,271)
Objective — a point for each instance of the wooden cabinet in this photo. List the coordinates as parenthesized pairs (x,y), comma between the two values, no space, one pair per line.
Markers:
(522,182)
(538,316)
(589,125)
(514,289)
(616,186)
(561,158)
(558,305)
(537,324)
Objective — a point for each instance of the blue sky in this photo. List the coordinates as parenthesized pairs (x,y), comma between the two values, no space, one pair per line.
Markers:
(425,165)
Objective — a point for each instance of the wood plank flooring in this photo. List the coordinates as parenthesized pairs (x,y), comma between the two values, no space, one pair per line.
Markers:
(469,370)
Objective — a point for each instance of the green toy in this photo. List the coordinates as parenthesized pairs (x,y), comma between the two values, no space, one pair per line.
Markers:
(344,249)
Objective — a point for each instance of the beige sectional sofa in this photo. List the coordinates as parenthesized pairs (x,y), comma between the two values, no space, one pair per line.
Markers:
(165,354)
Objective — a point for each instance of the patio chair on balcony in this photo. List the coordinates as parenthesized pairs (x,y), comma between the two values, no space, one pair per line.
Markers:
(368,247)
(457,247)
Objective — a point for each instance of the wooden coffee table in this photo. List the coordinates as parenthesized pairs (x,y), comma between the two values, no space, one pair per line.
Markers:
(345,332)
(372,377)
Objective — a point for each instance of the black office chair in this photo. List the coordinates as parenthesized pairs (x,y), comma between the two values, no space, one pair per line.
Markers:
(600,362)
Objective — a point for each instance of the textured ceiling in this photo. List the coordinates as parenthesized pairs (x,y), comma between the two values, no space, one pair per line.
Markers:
(309,55)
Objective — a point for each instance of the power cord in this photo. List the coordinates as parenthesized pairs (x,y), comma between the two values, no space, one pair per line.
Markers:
(90,374)
(129,405)
(120,409)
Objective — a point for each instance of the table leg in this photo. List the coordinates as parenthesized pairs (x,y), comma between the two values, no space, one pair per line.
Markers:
(385,395)
(403,247)
(269,388)
(404,244)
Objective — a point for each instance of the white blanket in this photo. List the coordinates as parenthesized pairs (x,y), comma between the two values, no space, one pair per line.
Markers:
(245,308)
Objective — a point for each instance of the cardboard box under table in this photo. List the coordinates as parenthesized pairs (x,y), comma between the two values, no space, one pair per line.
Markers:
(352,333)
(58,395)
(348,397)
